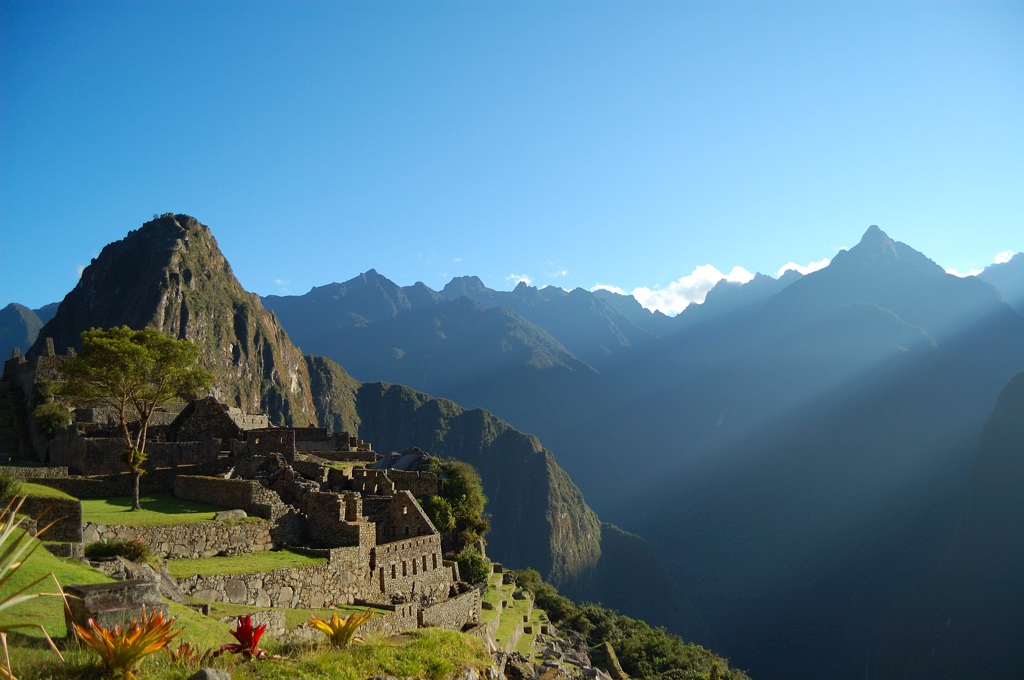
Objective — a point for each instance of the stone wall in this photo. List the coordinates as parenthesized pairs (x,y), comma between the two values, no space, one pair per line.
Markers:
(35,472)
(411,567)
(372,482)
(453,613)
(395,619)
(315,587)
(419,484)
(204,419)
(67,512)
(154,481)
(403,518)
(244,494)
(310,469)
(334,521)
(202,539)
(272,440)
(102,455)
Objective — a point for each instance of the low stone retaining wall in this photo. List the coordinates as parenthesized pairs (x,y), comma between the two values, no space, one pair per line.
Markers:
(453,613)
(67,512)
(314,587)
(34,472)
(202,539)
(246,494)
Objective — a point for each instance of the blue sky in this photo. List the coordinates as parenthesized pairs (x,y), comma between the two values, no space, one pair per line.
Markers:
(572,143)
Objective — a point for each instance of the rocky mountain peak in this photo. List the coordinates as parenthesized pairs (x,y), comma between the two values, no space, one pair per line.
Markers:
(170,274)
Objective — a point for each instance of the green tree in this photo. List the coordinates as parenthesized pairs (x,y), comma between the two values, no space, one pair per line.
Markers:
(463,491)
(133,372)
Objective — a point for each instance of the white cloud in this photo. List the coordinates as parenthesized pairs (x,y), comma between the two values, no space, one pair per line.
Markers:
(954,272)
(456,259)
(1004,257)
(611,289)
(562,271)
(812,266)
(282,284)
(681,293)
(519,278)
(78,271)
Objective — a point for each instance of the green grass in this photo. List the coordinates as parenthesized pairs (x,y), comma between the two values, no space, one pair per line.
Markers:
(241,564)
(293,618)
(525,644)
(39,490)
(48,611)
(159,509)
(430,653)
(509,619)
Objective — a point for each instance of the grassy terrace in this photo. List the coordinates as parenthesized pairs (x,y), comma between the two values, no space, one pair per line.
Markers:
(293,617)
(159,509)
(41,491)
(495,593)
(241,564)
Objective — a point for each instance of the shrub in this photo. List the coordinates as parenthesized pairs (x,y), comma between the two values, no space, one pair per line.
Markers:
(135,550)
(473,567)
(9,485)
(439,510)
(50,417)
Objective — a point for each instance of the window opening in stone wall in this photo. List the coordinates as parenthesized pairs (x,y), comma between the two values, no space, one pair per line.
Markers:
(394,571)
(414,566)
(434,557)
(424,563)
(404,568)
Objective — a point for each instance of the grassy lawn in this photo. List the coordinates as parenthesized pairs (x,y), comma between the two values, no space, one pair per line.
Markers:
(48,611)
(41,491)
(241,564)
(159,509)
(293,617)
(430,653)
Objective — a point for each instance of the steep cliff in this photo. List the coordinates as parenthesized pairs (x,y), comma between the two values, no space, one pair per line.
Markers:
(170,274)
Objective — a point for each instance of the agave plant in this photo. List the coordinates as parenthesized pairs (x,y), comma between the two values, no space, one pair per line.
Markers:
(16,546)
(341,631)
(248,637)
(120,649)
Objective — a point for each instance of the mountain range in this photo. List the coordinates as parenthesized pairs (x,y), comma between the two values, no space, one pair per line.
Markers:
(800,454)
(171,275)
(795,449)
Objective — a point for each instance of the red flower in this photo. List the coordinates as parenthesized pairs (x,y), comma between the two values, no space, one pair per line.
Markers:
(248,639)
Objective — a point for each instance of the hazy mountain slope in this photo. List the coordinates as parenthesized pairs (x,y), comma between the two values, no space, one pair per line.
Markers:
(655,322)
(1008,278)
(170,274)
(315,318)
(819,452)
(19,327)
(964,620)
(490,358)
(540,519)
(728,299)
(583,322)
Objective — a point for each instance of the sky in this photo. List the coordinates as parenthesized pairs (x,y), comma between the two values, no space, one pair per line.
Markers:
(647,147)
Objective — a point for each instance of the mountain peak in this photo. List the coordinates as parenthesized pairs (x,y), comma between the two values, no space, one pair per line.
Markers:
(877,249)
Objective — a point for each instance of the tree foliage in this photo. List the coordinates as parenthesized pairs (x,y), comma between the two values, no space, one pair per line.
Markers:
(133,372)
(463,494)
(643,651)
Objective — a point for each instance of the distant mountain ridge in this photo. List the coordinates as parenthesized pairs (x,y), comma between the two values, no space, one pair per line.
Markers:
(746,435)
